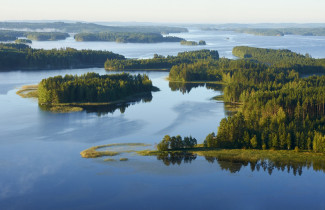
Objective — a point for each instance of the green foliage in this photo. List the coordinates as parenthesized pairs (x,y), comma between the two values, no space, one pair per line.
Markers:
(176,142)
(202,42)
(162,62)
(125,37)
(319,142)
(192,43)
(281,59)
(21,56)
(7,35)
(91,87)
(47,36)
(189,43)
(23,41)
(279,110)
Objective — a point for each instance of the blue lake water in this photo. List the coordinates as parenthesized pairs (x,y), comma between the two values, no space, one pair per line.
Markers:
(41,168)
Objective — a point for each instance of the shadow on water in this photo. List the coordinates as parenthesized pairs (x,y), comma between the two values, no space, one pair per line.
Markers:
(234,165)
(186,88)
(111,108)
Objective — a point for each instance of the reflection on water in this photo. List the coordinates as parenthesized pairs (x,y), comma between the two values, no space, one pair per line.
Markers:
(176,158)
(235,165)
(110,108)
(186,88)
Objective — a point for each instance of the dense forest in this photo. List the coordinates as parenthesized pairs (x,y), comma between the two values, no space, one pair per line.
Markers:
(193,43)
(7,35)
(161,62)
(281,59)
(176,143)
(126,37)
(47,36)
(23,41)
(279,109)
(257,59)
(79,27)
(23,57)
(91,87)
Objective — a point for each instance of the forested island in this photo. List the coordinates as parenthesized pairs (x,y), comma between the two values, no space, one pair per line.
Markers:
(74,93)
(91,88)
(192,43)
(7,35)
(161,62)
(126,37)
(23,57)
(23,41)
(47,36)
(79,27)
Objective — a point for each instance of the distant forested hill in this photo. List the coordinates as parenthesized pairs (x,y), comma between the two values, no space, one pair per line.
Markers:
(9,35)
(79,27)
(281,31)
(125,37)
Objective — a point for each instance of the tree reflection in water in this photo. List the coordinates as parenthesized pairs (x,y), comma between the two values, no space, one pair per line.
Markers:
(111,108)
(187,87)
(234,165)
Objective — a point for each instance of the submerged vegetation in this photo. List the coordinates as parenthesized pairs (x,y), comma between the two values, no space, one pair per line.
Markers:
(93,152)
(125,37)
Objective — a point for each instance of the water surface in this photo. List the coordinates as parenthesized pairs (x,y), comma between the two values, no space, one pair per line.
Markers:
(41,167)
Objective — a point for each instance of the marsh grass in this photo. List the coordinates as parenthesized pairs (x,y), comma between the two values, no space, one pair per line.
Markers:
(109,160)
(28,91)
(124,159)
(93,152)
(64,109)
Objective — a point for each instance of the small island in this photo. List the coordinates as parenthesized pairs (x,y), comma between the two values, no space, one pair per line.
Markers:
(47,36)
(192,43)
(23,41)
(66,93)
(125,37)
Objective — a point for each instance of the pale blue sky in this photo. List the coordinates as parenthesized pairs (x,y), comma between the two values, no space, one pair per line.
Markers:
(196,11)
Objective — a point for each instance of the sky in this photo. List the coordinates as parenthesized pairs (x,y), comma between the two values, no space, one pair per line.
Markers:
(177,11)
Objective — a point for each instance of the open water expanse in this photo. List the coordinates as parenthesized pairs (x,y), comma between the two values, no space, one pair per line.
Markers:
(41,166)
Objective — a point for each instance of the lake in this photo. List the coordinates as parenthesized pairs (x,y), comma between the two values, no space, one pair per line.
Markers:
(41,166)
